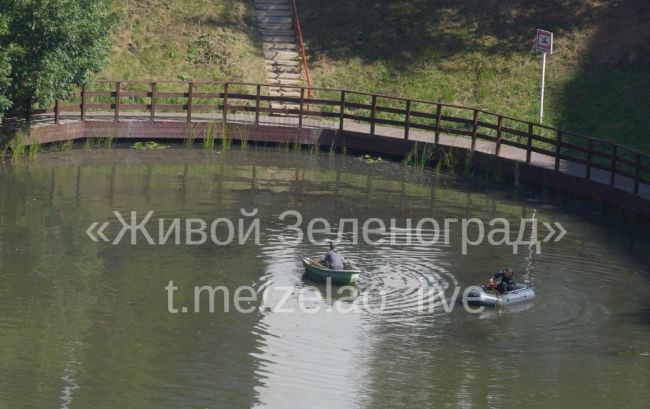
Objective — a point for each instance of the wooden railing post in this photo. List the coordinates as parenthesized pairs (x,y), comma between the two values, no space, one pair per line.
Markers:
(154,91)
(225,103)
(499,128)
(257,105)
(57,109)
(302,105)
(118,88)
(637,173)
(475,128)
(373,114)
(529,145)
(190,91)
(83,102)
(342,112)
(612,178)
(438,118)
(590,149)
(558,150)
(407,119)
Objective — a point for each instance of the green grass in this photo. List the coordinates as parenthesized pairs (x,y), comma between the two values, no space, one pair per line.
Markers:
(186,40)
(480,55)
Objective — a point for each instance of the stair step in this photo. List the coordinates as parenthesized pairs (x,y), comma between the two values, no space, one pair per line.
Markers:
(272,2)
(273,7)
(279,39)
(285,93)
(277,33)
(284,63)
(268,27)
(288,82)
(280,55)
(279,46)
(276,69)
(283,75)
(262,19)
(268,14)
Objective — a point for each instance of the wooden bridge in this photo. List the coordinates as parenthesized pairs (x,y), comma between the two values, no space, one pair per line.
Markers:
(352,121)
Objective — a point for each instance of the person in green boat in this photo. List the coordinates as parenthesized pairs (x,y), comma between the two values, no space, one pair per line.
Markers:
(332,259)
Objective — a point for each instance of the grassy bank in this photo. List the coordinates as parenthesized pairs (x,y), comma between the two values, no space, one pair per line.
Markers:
(185,39)
(480,53)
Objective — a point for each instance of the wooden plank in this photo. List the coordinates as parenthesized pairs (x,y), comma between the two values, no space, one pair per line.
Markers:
(190,90)
(118,90)
(258,91)
(225,103)
(407,119)
(438,117)
(529,144)
(302,106)
(373,115)
(152,116)
(474,128)
(57,111)
(83,102)
(637,173)
(499,132)
(558,149)
(612,179)
(342,111)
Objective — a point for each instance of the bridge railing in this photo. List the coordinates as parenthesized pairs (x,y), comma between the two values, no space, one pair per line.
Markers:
(372,114)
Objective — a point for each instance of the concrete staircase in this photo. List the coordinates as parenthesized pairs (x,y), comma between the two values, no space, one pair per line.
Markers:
(280,49)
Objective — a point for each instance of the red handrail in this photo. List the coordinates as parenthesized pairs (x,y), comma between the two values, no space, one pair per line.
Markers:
(303,55)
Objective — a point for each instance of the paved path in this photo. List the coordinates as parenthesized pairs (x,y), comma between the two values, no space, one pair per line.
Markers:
(280,49)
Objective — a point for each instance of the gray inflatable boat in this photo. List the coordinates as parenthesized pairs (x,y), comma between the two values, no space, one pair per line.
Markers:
(521,293)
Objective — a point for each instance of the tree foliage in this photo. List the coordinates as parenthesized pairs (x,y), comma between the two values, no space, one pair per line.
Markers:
(47,46)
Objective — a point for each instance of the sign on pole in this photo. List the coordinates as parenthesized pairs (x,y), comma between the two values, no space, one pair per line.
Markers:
(544,41)
(543,44)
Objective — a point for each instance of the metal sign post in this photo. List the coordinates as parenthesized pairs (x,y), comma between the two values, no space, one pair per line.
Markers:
(544,44)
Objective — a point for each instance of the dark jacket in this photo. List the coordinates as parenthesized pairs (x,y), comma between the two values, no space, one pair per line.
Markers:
(507,283)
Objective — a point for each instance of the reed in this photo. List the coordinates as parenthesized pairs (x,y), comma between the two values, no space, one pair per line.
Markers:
(34,149)
(243,138)
(447,160)
(17,146)
(209,136)
(190,135)
(66,145)
(425,157)
(226,136)
(468,163)
(411,157)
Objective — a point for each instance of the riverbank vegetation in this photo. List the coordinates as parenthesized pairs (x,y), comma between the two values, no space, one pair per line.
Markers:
(480,53)
(185,40)
(48,46)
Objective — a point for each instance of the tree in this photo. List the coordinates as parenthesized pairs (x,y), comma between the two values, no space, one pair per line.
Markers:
(48,46)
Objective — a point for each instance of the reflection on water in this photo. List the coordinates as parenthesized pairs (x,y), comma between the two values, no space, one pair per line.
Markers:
(85,324)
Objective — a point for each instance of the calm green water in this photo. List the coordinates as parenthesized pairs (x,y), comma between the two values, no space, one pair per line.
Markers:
(86,325)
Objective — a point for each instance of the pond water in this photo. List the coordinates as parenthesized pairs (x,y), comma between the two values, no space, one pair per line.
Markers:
(86,324)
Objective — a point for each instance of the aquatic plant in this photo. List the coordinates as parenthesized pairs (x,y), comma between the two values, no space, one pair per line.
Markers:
(447,160)
(369,159)
(148,145)
(66,145)
(468,163)
(228,130)
(425,157)
(209,135)
(34,149)
(190,135)
(17,146)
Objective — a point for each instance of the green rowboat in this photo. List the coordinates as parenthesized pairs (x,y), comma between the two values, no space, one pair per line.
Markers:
(314,269)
